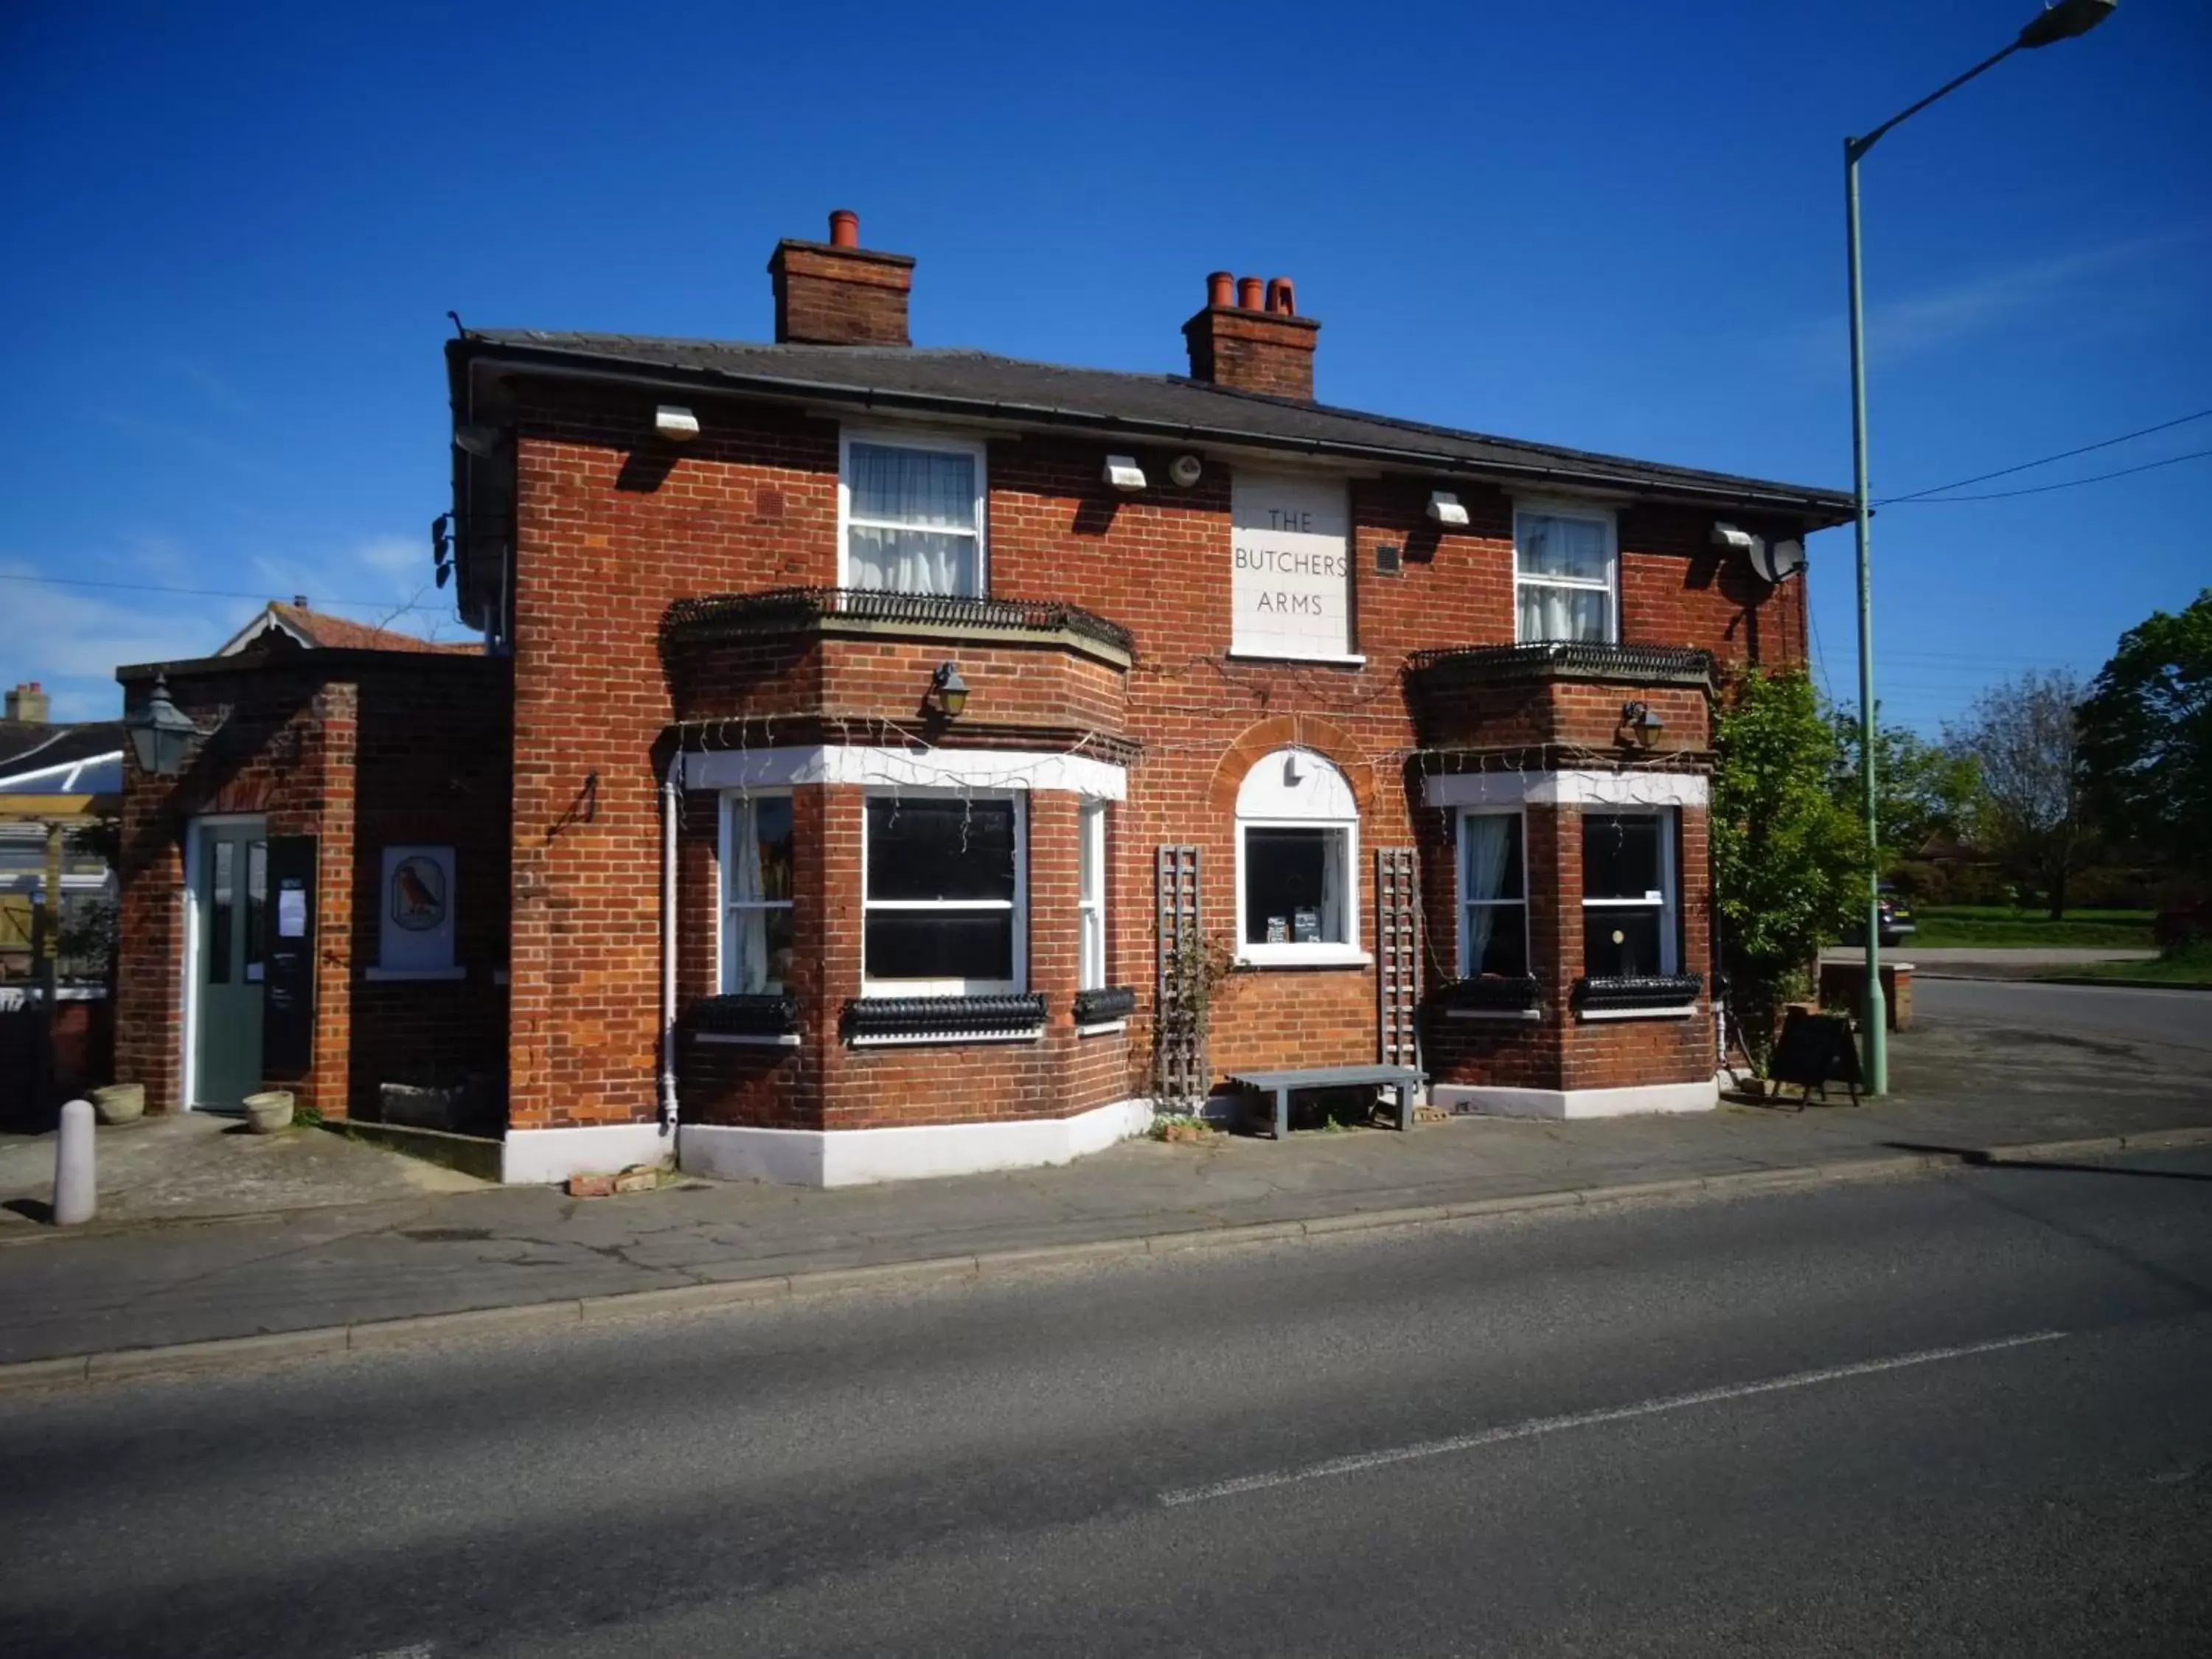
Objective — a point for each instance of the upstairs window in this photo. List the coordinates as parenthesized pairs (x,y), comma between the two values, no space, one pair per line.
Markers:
(1493,931)
(913,515)
(1630,924)
(756,928)
(944,887)
(1565,576)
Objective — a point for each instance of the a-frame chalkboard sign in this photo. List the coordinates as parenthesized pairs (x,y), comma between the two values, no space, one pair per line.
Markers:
(1814,1051)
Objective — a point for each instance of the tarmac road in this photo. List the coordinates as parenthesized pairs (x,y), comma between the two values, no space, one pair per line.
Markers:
(1955,1415)
(2173,1019)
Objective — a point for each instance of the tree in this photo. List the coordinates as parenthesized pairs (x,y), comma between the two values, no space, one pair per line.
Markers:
(1921,788)
(2147,737)
(1789,862)
(2022,737)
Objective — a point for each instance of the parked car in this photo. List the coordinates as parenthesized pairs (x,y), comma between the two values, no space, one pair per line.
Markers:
(1896,920)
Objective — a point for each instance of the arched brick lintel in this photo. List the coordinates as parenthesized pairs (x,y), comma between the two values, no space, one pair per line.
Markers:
(1259,740)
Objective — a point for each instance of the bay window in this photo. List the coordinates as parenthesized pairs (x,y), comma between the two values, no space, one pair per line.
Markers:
(1630,927)
(911,514)
(755,869)
(1566,575)
(1493,931)
(944,895)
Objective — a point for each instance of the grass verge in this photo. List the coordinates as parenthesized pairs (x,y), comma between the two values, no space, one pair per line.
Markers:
(2189,967)
(1956,926)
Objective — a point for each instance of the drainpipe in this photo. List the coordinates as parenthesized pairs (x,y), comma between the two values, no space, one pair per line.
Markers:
(671,804)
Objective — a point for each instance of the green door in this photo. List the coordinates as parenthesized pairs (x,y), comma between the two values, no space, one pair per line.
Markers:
(229,901)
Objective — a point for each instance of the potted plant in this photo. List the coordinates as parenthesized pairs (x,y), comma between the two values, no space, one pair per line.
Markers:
(268,1112)
(119,1102)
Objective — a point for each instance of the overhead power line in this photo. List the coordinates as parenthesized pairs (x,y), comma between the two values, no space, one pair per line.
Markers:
(2063,455)
(2071,483)
(208,592)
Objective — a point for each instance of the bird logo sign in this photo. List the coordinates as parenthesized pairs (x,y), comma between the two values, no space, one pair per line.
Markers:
(418,894)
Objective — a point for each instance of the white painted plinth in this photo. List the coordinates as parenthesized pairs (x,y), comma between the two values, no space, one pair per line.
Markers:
(854,1158)
(534,1157)
(1482,1100)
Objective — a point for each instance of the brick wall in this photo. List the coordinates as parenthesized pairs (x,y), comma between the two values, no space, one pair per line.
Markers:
(613,528)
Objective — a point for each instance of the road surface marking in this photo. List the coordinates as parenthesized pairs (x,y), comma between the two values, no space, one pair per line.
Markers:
(416,1650)
(1540,1425)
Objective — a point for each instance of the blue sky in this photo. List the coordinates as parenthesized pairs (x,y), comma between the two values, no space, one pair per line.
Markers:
(235,232)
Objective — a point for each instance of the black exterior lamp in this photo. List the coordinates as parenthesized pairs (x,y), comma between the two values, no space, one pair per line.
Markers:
(1642,726)
(161,734)
(948,690)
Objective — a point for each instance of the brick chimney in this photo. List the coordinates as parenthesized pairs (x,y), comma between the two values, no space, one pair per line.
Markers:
(1250,338)
(27,704)
(838,292)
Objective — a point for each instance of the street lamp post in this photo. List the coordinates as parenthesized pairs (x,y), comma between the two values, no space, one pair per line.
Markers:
(2061,21)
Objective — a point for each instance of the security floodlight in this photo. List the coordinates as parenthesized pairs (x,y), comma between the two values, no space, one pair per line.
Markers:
(1123,472)
(1444,508)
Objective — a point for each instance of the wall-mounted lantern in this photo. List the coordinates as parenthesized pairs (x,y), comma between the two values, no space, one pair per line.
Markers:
(948,690)
(1641,724)
(161,734)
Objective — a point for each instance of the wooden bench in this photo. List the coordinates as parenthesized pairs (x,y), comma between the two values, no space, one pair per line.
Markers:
(1283,1084)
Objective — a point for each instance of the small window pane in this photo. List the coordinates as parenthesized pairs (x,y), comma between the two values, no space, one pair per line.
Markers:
(912,486)
(1564,613)
(1549,546)
(257,904)
(759,951)
(1492,859)
(1621,942)
(1290,887)
(1620,857)
(1496,940)
(772,830)
(911,561)
(935,848)
(221,927)
(973,944)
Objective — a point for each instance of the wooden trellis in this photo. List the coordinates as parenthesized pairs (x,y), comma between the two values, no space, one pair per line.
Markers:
(1397,957)
(1182,1071)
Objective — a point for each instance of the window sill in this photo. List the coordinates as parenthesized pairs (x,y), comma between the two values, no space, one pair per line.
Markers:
(1351,659)
(1105,1028)
(413,975)
(1514,1015)
(918,1040)
(1304,955)
(1687,1010)
(750,1039)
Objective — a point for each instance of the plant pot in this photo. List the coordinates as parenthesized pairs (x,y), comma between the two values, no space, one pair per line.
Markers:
(267,1112)
(119,1102)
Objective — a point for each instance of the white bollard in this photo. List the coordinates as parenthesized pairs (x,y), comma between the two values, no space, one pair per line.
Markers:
(77,1192)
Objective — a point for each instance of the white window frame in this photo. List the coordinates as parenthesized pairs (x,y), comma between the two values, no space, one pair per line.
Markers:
(1610,586)
(1670,922)
(1091,898)
(1464,851)
(1331,953)
(872,986)
(929,442)
(737,803)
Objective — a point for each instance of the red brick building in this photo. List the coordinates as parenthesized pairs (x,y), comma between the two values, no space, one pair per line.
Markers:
(882,736)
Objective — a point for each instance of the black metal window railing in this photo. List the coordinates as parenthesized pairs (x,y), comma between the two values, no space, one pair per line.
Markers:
(1670,665)
(719,616)
(1490,993)
(1648,991)
(1108,1003)
(746,1015)
(1008,1014)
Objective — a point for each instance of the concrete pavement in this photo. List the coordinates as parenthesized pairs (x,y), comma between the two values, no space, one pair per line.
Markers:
(1967,1080)
(1961,1416)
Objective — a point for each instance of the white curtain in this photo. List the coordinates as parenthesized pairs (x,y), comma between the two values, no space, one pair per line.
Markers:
(748,922)
(1562,613)
(1332,890)
(1488,842)
(913,520)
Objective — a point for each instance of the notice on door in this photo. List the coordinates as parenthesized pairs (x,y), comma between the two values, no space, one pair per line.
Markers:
(1291,575)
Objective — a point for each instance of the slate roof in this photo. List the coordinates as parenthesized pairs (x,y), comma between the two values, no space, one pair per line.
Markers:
(36,745)
(1162,408)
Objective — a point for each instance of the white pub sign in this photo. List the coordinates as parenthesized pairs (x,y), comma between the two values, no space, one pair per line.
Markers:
(1291,581)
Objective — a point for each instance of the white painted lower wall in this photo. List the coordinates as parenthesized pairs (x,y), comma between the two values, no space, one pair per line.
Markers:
(1576,1103)
(533,1156)
(855,1158)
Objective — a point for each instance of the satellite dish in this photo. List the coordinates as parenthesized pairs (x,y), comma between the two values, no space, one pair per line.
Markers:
(1778,562)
